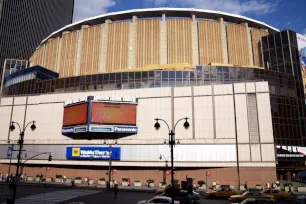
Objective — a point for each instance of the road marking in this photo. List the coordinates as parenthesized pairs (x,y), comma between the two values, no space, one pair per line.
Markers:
(54,197)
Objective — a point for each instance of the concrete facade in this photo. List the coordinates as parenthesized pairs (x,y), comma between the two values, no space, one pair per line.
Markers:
(218,114)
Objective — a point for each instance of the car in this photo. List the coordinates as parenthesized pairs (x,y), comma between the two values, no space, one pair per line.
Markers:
(277,194)
(257,201)
(222,193)
(182,196)
(159,199)
(248,194)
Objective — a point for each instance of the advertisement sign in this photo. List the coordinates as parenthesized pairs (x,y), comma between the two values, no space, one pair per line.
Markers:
(72,130)
(113,113)
(301,41)
(113,128)
(93,153)
(99,114)
(75,115)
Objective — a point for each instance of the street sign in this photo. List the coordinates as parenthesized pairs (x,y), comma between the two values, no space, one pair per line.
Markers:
(208,173)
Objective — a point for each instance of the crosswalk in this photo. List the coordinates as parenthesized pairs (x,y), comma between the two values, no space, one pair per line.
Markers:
(55,196)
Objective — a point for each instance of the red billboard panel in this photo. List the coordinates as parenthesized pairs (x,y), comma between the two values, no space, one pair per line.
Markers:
(75,115)
(113,113)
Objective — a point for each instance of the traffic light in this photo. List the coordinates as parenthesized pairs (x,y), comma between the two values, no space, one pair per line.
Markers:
(50,157)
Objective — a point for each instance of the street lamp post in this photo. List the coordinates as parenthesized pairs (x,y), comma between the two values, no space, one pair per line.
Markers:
(172,144)
(20,141)
(109,163)
(166,166)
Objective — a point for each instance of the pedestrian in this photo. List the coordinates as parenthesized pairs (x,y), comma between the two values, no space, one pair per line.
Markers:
(40,177)
(293,177)
(189,192)
(72,182)
(64,179)
(86,181)
(129,182)
(116,190)
(246,186)
(268,185)
(273,185)
(214,185)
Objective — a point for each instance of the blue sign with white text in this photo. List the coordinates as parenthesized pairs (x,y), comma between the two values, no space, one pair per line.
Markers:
(93,153)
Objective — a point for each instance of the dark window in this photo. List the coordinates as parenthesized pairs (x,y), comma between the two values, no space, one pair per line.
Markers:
(265,43)
(284,37)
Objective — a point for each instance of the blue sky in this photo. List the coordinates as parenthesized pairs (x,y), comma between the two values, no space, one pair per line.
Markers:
(282,14)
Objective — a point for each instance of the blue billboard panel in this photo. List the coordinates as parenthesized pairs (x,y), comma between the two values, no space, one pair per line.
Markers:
(93,153)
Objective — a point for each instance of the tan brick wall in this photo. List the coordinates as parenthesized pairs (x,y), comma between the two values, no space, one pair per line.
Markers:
(252,175)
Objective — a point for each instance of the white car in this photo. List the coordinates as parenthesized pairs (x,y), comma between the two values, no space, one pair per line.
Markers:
(158,200)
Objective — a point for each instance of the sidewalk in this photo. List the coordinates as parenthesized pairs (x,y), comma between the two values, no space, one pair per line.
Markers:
(93,186)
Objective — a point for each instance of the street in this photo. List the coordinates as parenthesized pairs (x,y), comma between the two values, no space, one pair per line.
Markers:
(66,195)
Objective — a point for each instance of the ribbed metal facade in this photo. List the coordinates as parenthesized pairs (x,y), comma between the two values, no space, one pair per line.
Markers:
(24,24)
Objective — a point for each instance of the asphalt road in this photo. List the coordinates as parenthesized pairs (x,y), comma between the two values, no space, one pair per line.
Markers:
(66,195)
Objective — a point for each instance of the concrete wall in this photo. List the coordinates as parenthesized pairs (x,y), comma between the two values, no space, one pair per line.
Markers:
(210,140)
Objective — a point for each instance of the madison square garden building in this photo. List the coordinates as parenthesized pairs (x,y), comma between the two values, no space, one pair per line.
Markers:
(98,84)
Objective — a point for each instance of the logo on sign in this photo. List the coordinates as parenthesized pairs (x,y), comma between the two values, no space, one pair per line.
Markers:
(76,152)
(125,129)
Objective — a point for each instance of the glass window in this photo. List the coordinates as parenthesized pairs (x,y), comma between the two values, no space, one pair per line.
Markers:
(265,43)
(99,78)
(273,57)
(284,37)
(131,76)
(125,77)
(172,75)
(118,78)
(288,68)
(111,77)
(267,63)
(287,54)
(271,42)
(137,76)
(165,75)
(105,78)
(278,41)
(178,74)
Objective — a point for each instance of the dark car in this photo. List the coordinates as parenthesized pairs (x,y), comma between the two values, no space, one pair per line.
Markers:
(182,196)
(258,201)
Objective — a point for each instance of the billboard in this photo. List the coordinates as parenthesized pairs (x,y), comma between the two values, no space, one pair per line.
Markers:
(93,153)
(75,115)
(301,41)
(113,113)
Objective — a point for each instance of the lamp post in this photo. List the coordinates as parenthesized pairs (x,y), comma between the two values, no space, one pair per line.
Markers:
(20,141)
(171,144)
(166,166)
(109,163)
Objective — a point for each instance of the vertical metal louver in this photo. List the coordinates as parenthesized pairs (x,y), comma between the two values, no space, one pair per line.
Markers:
(253,118)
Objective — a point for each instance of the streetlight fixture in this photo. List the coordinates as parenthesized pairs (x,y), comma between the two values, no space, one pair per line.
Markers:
(171,143)
(20,142)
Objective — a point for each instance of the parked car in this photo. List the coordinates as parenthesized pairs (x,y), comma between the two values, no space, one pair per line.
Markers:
(277,194)
(222,193)
(258,201)
(248,194)
(159,199)
(301,199)
(182,196)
